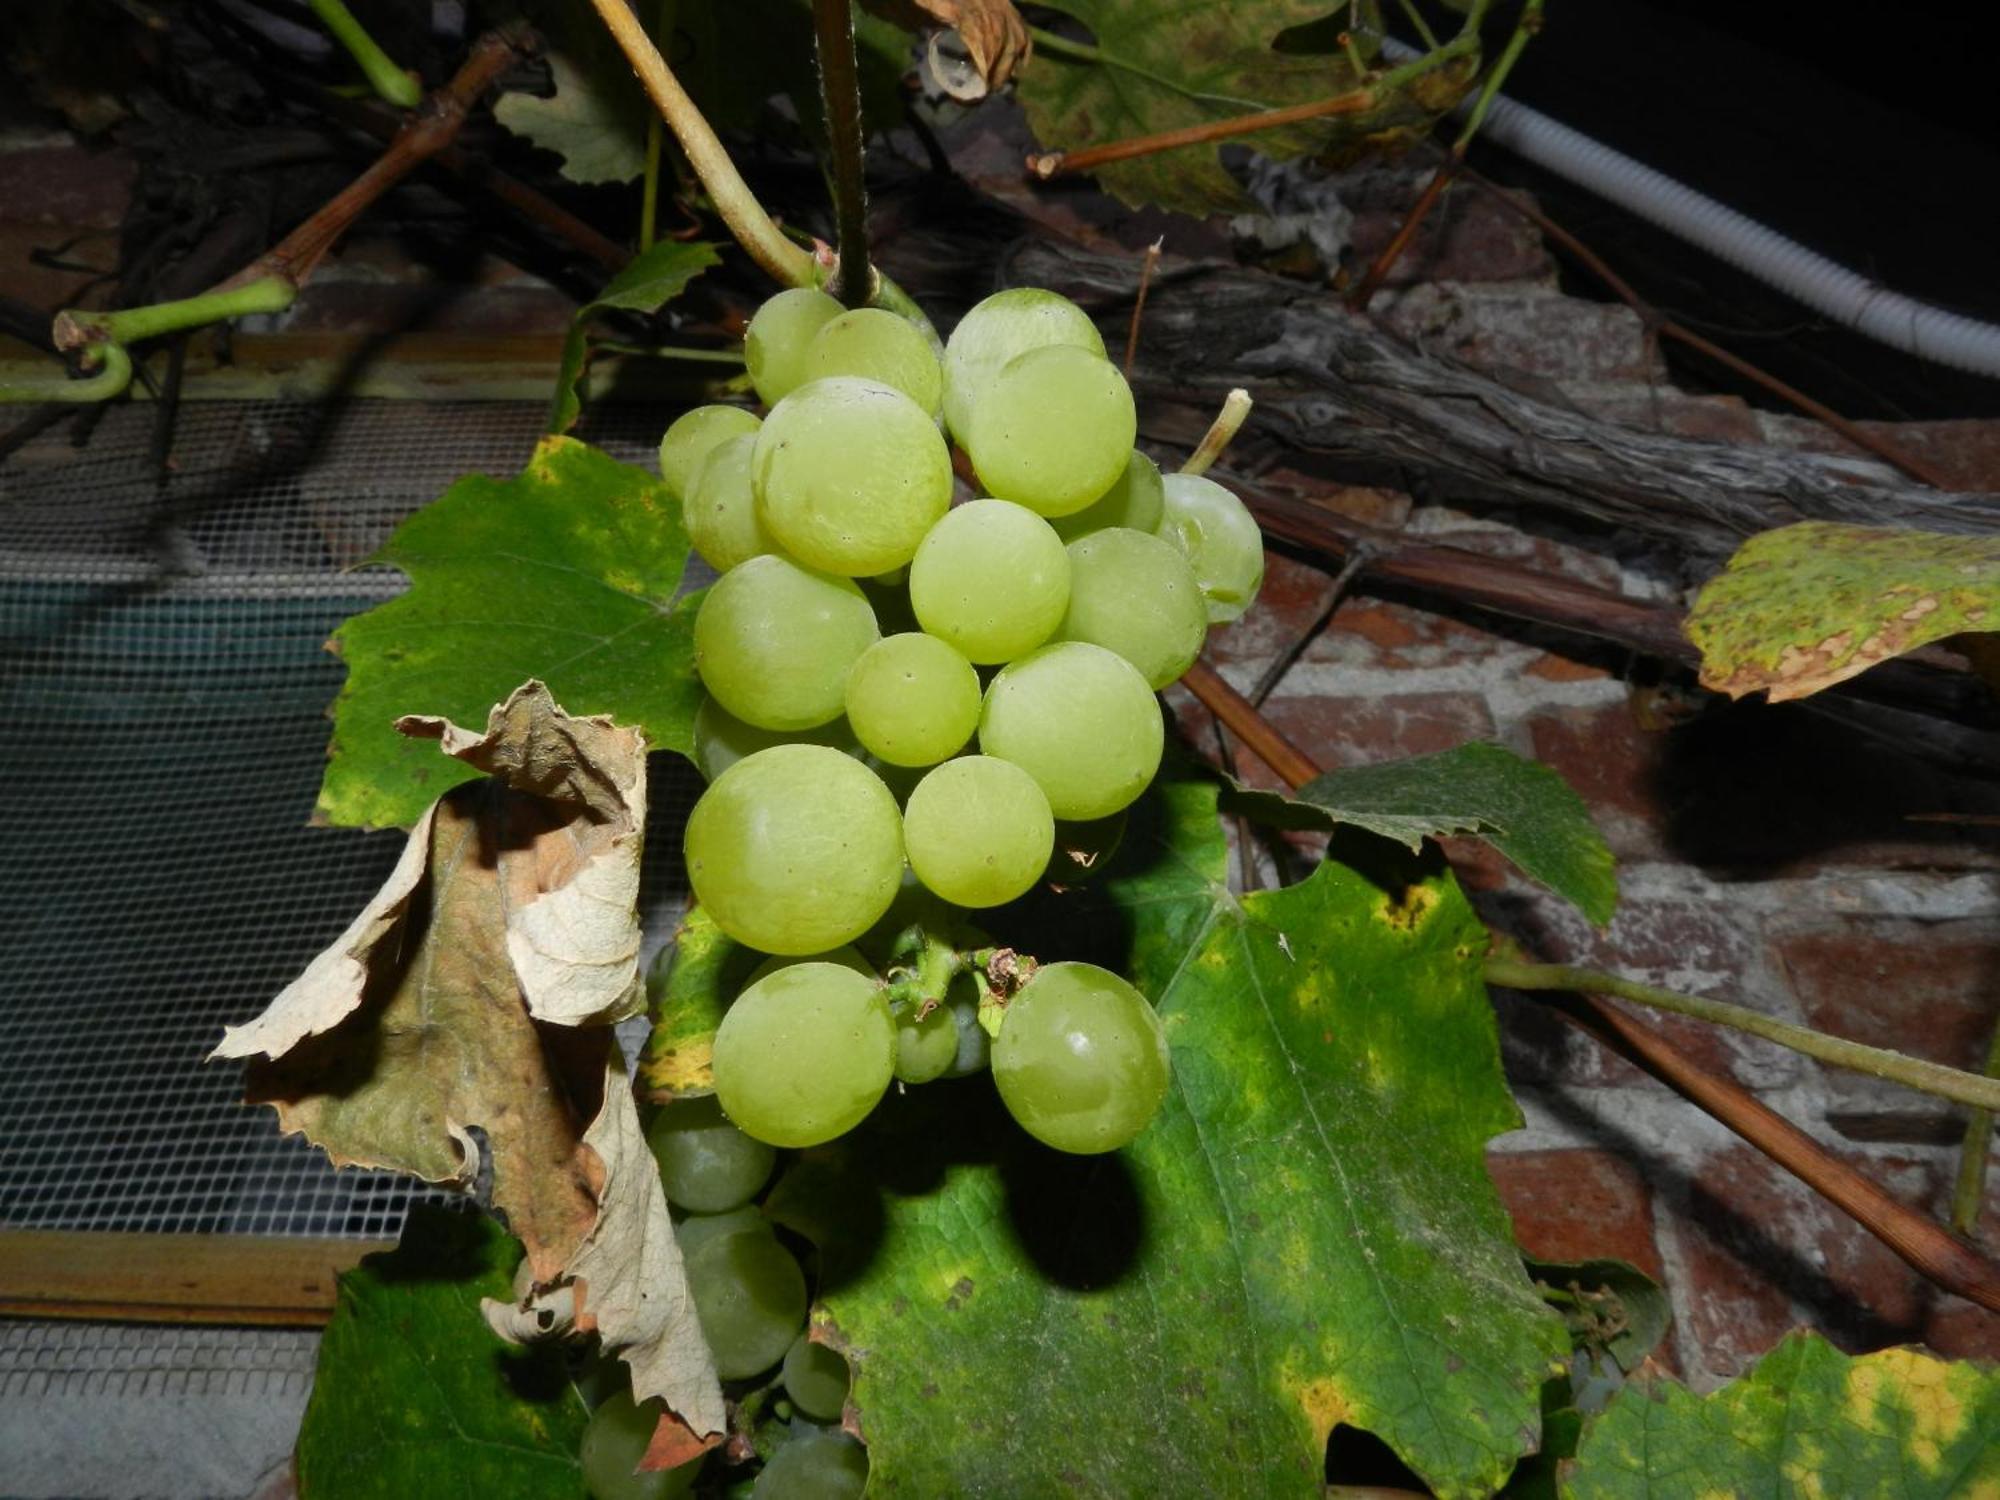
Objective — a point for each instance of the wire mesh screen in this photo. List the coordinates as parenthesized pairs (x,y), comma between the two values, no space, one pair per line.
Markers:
(163,696)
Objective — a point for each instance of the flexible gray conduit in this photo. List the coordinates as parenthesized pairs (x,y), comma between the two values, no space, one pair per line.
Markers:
(1848,298)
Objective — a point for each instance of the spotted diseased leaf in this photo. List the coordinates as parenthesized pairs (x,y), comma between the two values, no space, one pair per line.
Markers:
(654,279)
(413,1397)
(1161,65)
(1305,1236)
(1900,1424)
(1803,607)
(463,1022)
(1522,808)
(567,574)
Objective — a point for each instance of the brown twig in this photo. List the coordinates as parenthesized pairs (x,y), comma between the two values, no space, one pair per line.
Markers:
(534,206)
(1249,726)
(1385,260)
(426,131)
(1146,268)
(1926,1246)
(1048,164)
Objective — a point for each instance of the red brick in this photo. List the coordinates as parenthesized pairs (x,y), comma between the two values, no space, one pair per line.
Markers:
(1922,988)
(1360,731)
(67,186)
(1577,1205)
(1467,237)
(1761,1253)
(1552,668)
(1614,766)
(1967,451)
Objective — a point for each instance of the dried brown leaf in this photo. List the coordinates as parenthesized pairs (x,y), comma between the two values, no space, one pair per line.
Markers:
(996,39)
(512,908)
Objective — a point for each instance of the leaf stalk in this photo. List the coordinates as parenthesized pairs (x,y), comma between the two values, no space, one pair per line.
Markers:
(391,82)
(1877,1062)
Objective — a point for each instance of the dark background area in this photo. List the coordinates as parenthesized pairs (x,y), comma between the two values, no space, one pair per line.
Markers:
(1869,138)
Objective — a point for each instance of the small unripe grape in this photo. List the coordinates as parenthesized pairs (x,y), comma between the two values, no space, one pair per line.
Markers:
(775,343)
(691,437)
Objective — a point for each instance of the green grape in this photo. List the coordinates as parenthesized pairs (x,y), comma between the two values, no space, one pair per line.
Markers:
(706,1164)
(795,850)
(978,831)
(1134,594)
(912,699)
(721,506)
(975,1046)
(816,1378)
(1084,849)
(721,739)
(1053,429)
(750,1296)
(1081,721)
(879,345)
(773,642)
(693,435)
(850,475)
(846,955)
(927,1047)
(1004,325)
(1081,1059)
(695,1230)
(775,343)
(804,1054)
(1137,499)
(992,579)
(619,1432)
(814,1465)
(1221,541)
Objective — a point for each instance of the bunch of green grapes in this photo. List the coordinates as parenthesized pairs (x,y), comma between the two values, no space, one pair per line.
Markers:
(964,691)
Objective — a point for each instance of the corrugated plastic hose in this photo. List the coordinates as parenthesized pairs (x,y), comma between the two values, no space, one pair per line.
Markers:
(1848,298)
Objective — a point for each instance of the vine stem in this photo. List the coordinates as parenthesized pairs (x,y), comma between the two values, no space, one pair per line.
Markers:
(1968,1191)
(1878,1062)
(388,80)
(270,282)
(840,94)
(1927,1247)
(759,235)
(1228,422)
(1525,26)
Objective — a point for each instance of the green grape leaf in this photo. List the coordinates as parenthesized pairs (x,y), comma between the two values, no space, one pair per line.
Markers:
(1305,1236)
(1162,65)
(1807,1420)
(413,1396)
(1522,808)
(654,278)
(707,968)
(1803,607)
(595,120)
(566,573)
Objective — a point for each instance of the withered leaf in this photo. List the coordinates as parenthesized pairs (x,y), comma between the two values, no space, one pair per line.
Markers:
(996,39)
(470,997)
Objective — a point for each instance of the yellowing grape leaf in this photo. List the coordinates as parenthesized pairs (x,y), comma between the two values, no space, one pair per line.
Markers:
(1158,65)
(449,1007)
(1305,1236)
(1803,607)
(566,574)
(595,119)
(1900,1424)
(412,1398)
